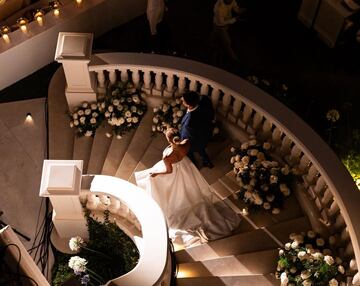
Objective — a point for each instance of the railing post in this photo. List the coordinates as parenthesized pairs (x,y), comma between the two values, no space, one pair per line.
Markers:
(157,89)
(73,50)
(112,76)
(61,182)
(169,91)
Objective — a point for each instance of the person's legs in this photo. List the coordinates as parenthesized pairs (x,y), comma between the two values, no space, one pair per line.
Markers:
(205,157)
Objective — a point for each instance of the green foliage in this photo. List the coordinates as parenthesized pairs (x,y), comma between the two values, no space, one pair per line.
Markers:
(110,252)
(61,272)
(351,157)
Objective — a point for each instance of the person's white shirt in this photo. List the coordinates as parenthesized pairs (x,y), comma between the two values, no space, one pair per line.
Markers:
(223,13)
(155,11)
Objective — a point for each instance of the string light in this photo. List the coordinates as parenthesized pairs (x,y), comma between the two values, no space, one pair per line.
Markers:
(55,6)
(39,17)
(4,31)
(22,22)
(79,2)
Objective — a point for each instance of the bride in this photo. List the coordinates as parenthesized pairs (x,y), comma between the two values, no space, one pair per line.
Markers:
(192,214)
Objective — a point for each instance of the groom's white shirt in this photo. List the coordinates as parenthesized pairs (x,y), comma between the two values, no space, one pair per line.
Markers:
(190,110)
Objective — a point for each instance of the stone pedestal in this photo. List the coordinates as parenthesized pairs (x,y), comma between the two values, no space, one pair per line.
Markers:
(61,181)
(73,50)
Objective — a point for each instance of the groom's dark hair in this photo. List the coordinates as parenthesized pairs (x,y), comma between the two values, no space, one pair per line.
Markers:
(192,98)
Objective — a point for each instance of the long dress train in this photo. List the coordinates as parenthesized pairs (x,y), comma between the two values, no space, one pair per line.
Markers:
(193,213)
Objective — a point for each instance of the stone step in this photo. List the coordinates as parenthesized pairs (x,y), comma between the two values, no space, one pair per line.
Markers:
(99,150)
(138,146)
(256,240)
(152,155)
(60,133)
(245,280)
(116,153)
(82,150)
(282,230)
(261,262)
(222,165)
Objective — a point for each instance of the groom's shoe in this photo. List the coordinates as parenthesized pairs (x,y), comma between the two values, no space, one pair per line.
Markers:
(208,165)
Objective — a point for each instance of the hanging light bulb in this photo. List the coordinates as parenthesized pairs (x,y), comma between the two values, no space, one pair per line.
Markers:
(79,2)
(22,22)
(39,16)
(55,5)
(4,31)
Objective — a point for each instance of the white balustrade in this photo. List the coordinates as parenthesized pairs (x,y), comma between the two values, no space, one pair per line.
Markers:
(101,81)
(169,85)
(254,110)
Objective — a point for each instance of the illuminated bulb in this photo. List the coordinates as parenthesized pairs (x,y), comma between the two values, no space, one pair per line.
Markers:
(22,24)
(78,1)
(55,6)
(56,12)
(28,118)
(4,31)
(39,16)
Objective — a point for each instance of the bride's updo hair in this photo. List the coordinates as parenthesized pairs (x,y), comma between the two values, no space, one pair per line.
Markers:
(172,135)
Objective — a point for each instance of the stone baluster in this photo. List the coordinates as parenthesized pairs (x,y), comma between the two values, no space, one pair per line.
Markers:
(147,82)
(92,202)
(304,164)
(124,210)
(294,156)
(136,77)
(327,198)
(157,90)
(226,100)
(353,265)
(333,209)
(169,91)
(266,132)
(181,85)
(256,123)
(204,90)
(114,205)
(101,82)
(83,196)
(124,75)
(285,147)
(193,85)
(339,222)
(246,115)
(112,76)
(276,137)
(345,235)
(215,97)
(235,110)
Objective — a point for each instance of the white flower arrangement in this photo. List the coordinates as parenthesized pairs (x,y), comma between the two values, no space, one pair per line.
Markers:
(168,115)
(264,183)
(124,109)
(87,117)
(303,261)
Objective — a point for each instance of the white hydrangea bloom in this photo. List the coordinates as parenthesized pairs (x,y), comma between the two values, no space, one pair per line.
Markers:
(77,264)
(329,259)
(88,133)
(284,279)
(333,282)
(75,243)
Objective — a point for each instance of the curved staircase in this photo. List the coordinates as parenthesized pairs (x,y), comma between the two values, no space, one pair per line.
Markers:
(248,257)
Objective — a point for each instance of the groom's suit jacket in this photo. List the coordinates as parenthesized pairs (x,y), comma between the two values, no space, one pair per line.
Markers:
(197,124)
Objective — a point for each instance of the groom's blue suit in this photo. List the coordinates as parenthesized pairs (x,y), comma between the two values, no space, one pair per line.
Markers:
(196,126)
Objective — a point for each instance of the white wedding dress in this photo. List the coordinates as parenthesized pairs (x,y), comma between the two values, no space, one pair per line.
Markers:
(192,212)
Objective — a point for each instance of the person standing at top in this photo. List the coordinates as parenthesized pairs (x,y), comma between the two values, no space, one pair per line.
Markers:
(155,13)
(223,18)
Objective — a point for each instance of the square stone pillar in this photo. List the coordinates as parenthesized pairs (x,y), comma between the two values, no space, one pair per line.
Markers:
(61,182)
(73,50)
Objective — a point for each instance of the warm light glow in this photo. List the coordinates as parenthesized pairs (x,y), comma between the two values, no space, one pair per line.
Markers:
(78,1)
(22,22)
(29,118)
(55,6)
(4,31)
(39,16)
(6,38)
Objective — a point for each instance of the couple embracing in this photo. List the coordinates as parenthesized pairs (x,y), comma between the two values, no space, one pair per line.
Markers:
(191,210)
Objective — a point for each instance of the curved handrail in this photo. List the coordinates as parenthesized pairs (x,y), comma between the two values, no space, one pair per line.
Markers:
(154,248)
(320,154)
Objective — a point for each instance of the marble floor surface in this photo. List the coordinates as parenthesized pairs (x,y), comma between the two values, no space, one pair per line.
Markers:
(22,150)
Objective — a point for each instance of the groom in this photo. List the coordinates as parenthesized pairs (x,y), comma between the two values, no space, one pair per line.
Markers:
(196,125)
